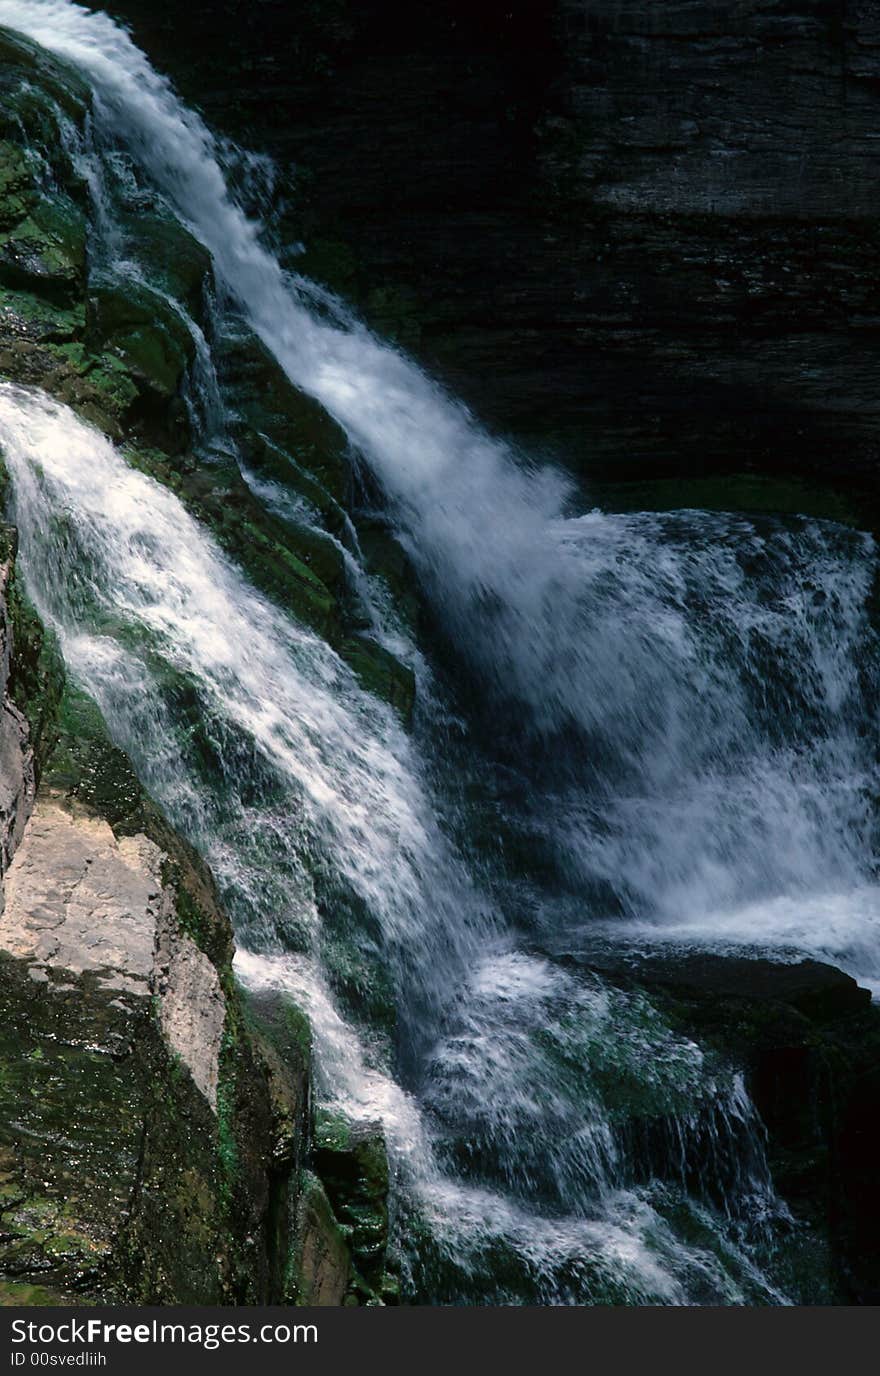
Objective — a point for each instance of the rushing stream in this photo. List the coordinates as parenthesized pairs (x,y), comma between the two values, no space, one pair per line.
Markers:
(656,729)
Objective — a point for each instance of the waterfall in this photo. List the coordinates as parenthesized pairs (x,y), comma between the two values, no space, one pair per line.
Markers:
(670,728)
(141,598)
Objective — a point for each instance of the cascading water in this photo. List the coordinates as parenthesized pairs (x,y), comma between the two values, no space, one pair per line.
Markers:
(668,735)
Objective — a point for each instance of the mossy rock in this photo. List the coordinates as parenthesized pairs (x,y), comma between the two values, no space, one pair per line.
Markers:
(351,949)
(17,189)
(118,1183)
(17,1296)
(381,673)
(352,1161)
(320,1270)
(149,336)
(37,678)
(174,260)
(384,556)
(70,1131)
(45,253)
(24,316)
(47,79)
(86,766)
(99,388)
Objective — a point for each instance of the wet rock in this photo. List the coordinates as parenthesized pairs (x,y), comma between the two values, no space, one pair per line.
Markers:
(303,438)
(17,764)
(808,1037)
(815,990)
(35,84)
(352,1162)
(324,1272)
(45,253)
(147,334)
(17,190)
(175,262)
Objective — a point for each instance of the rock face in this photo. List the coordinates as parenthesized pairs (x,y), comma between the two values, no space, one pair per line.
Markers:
(638,233)
(78,899)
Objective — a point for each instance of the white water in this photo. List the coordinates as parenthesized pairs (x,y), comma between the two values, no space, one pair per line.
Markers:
(686,701)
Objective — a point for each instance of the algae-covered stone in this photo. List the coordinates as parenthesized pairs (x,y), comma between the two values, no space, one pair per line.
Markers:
(286,1034)
(32,81)
(381,673)
(98,387)
(18,770)
(24,316)
(269,405)
(45,253)
(352,1161)
(151,338)
(174,261)
(17,190)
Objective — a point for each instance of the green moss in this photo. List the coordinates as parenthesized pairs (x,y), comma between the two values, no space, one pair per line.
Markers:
(35,81)
(358,976)
(149,337)
(14,1294)
(318,1271)
(283,1023)
(88,767)
(17,191)
(226,1120)
(352,1163)
(70,1130)
(25,316)
(381,673)
(281,431)
(174,261)
(45,253)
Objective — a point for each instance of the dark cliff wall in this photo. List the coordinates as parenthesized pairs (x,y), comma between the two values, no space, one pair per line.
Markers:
(643,232)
